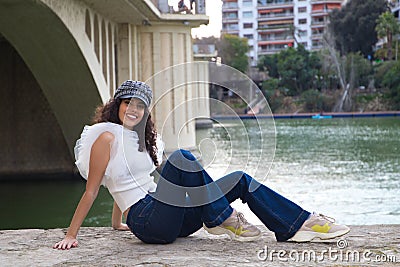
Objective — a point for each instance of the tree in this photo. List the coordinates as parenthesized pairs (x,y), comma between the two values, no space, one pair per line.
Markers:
(233,51)
(353,26)
(387,26)
(391,80)
(297,69)
(269,63)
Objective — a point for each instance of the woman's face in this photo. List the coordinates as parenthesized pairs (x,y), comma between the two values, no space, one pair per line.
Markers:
(131,112)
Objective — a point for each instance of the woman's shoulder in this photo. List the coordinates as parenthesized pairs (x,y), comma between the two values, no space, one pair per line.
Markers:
(99,128)
(91,132)
(104,126)
(106,137)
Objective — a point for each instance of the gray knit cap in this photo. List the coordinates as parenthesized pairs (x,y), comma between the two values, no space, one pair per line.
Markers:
(136,89)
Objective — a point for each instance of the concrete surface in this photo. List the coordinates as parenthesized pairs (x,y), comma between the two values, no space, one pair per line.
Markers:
(374,245)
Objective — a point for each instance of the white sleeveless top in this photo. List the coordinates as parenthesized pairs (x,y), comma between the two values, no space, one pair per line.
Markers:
(127,176)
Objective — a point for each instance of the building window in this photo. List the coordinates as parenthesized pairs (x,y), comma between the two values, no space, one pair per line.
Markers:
(247,14)
(229,15)
(248,36)
(230,27)
(302,21)
(247,2)
(302,9)
(247,25)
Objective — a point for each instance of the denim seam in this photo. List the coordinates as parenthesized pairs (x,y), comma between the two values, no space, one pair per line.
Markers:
(291,229)
(217,221)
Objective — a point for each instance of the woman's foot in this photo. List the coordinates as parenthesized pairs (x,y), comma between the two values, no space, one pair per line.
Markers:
(237,227)
(319,226)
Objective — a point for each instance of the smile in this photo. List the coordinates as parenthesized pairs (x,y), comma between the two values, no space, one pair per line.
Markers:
(130,116)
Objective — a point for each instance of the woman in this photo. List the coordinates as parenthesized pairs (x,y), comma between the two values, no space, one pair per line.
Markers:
(122,149)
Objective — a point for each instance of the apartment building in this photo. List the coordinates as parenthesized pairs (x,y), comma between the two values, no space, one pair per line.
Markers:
(395,7)
(273,25)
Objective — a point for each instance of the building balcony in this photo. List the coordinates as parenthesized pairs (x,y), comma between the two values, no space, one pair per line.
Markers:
(323,12)
(262,52)
(317,37)
(274,4)
(274,16)
(282,41)
(319,23)
(273,28)
(230,6)
(233,32)
(230,20)
(327,1)
(281,38)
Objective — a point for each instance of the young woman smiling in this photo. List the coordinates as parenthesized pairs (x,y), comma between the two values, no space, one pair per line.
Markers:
(122,149)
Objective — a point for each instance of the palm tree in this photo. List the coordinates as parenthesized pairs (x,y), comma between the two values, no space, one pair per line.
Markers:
(387,26)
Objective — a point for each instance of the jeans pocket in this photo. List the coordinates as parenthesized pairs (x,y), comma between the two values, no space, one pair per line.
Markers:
(146,209)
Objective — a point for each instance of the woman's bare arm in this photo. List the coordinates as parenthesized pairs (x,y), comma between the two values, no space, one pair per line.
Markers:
(99,158)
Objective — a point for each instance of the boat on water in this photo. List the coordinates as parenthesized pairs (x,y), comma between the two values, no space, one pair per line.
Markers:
(319,116)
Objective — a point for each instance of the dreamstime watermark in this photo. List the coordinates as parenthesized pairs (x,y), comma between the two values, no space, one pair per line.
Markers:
(340,253)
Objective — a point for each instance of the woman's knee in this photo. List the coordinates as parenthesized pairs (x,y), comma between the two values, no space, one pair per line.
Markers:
(245,179)
(185,161)
(181,154)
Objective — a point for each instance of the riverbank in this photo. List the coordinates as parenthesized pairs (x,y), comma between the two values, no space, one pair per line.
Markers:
(366,245)
(316,115)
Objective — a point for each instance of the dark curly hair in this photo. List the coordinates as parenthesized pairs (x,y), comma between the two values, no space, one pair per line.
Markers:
(145,128)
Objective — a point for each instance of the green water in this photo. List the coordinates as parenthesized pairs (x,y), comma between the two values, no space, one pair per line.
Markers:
(346,168)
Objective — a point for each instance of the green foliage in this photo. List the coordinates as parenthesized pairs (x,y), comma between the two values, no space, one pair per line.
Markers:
(380,71)
(382,53)
(354,25)
(232,50)
(392,81)
(297,69)
(315,101)
(387,26)
(294,67)
(269,63)
(360,68)
(270,85)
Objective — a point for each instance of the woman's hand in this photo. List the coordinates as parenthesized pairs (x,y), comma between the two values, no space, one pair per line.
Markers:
(121,227)
(67,243)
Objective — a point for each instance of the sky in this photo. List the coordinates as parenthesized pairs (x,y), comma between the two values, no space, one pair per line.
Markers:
(214,11)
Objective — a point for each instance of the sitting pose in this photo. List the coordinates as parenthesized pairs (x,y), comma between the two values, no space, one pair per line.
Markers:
(122,149)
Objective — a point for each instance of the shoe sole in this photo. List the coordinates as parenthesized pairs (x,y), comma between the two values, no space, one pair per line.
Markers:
(308,236)
(221,231)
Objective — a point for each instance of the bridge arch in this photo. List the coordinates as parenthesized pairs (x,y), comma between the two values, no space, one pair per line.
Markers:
(61,70)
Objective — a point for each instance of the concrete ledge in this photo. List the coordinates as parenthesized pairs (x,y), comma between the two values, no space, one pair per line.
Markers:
(376,245)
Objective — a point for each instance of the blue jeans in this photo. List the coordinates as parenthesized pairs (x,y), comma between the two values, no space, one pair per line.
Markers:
(158,219)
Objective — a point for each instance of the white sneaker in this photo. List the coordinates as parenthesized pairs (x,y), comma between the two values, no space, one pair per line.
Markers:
(319,226)
(237,227)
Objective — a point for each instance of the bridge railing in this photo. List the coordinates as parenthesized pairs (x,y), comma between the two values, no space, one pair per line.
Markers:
(193,6)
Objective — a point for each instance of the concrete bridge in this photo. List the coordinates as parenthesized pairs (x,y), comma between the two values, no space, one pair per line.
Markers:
(59,59)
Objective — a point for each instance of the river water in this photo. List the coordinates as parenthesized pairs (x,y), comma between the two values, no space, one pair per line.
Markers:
(345,168)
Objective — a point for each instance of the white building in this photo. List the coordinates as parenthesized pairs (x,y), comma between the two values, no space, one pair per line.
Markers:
(273,25)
